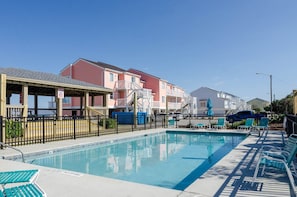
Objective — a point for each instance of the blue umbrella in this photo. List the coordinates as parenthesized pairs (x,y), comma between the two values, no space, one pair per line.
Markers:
(209,108)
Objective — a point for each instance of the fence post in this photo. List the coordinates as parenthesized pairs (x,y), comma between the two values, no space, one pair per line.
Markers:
(116,119)
(133,122)
(98,124)
(43,130)
(1,131)
(74,127)
(145,121)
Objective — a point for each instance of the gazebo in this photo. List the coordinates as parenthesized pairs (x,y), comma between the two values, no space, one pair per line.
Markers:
(26,82)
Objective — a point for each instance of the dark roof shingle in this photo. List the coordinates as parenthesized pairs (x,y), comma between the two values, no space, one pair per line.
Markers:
(104,65)
(27,74)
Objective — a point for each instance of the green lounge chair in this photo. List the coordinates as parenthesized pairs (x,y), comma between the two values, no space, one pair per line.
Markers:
(27,190)
(248,124)
(18,177)
(282,160)
(220,124)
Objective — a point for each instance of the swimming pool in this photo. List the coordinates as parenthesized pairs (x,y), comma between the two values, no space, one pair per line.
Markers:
(170,159)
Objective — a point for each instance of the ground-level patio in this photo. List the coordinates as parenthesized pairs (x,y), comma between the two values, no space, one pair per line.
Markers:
(231,176)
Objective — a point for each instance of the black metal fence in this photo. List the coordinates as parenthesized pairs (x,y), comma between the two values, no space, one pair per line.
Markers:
(33,130)
(291,124)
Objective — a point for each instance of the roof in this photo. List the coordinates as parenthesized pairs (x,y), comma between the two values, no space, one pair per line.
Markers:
(48,79)
(104,65)
(141,72)
(258,100)
(214,91)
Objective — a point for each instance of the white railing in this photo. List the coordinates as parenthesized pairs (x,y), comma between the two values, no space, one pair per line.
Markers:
(145,93)
(156,104)
(122,102)
(14,110)
(127,85)
(174,93)
(172,105)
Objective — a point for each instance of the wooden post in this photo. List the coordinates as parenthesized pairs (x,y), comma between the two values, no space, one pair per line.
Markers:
(86,104)
(3,103)
(25,100)
(59,102)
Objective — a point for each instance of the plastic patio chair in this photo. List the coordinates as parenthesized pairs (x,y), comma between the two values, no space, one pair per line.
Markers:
(248,124)
(263,125)
(220,124)
(199,125)
(288,145)
(282,160)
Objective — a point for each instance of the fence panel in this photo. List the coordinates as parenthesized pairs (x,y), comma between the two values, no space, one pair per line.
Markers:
(25,130)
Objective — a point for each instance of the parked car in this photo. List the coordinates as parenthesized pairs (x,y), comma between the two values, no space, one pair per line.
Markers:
(242,115)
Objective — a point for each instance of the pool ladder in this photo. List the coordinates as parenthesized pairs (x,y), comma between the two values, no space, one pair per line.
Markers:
(8,146)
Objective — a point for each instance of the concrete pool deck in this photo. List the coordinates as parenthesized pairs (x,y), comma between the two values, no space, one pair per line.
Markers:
(231,176)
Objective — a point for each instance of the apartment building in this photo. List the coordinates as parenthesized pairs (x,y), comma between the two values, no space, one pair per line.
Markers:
(133,90)
(125,86)
(223,102)
(167,96)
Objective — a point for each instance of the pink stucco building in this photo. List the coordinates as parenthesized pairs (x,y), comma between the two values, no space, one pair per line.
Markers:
(152,94)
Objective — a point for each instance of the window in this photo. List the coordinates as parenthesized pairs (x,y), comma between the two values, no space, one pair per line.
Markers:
(111,77)
(163,99)
(202,103)
(111,96)
(66,100)
(163,85)
(133,79)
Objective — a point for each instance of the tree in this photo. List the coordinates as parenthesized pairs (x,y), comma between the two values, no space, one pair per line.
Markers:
(283,106)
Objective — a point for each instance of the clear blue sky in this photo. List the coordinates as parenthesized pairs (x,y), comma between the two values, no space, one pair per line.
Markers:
(219,44)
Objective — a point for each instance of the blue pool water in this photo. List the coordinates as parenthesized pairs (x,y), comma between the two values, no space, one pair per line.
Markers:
(171,160)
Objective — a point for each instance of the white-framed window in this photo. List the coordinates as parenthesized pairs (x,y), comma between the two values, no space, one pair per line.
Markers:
(163,99)
(111,77)
(163,85)
(133,79)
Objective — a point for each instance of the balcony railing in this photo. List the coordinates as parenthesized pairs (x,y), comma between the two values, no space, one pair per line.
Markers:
(122,102)
(156,104)
(127,85)
(174,106)
(174,93)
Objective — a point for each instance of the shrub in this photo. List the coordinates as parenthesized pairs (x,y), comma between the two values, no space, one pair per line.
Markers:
(13,129)
(109,123)
(235,124)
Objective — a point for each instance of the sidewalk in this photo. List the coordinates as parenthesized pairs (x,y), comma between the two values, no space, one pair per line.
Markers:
(232,176)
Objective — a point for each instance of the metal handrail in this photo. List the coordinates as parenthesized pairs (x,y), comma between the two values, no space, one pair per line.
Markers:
(8,146)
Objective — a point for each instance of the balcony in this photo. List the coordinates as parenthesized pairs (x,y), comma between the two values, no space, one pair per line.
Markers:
(126,85)
(174,106)
(174,93)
